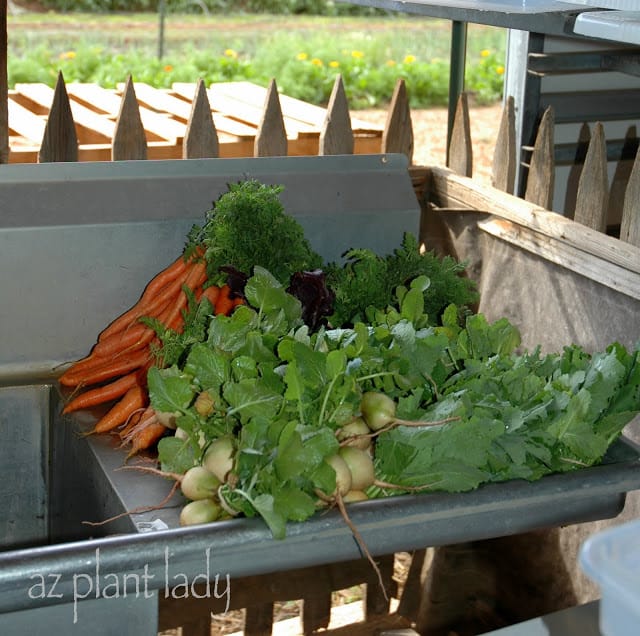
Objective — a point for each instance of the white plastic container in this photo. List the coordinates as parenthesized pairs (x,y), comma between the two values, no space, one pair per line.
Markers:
(612,559)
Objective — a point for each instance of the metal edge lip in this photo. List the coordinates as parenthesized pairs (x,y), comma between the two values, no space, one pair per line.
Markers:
(245,546)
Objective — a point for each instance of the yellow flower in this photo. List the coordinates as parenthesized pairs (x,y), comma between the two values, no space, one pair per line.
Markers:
(230,53)
(409,59)
(390,62)
(485,53)
(500,70)
(316,61)
(68,55)
(357,54)
(301,56)
(334,64)
(168,68)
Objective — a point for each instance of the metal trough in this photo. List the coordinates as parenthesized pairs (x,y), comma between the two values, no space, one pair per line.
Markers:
(78,242)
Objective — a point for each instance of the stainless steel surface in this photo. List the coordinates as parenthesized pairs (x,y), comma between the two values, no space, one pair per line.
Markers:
(24,462)
(96,232)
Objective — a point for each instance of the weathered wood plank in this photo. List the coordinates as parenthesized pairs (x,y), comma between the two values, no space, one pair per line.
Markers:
(316,613)
(560,252)
(59,142)
(503,167)
(4,86)
(630,224)
(593,189)
(129,139)
(621,176)
(573,179)
(201,138)
(336,136)
(271,138)
(398,130)
(450,190)
(258,619)
(460,156)
(541,175)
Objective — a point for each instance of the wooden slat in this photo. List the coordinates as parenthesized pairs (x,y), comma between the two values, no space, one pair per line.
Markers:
(460,149)
(573,179)
(43,95)
(60,142)
(556,250)
(24,123)
(235,107)
(450,190)
(398,130)
(336,137)
(106,101)
(541,176)
(271,139)
(292,107)
(593,189)
(621,175)
(129,139)
(201,138)
(503,169)
(316,613)
(630,225)
(221,121)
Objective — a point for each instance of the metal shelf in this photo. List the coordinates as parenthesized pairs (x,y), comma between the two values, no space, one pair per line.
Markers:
(540,16)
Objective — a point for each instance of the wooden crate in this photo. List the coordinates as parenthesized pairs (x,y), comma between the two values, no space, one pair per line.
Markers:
(237,109)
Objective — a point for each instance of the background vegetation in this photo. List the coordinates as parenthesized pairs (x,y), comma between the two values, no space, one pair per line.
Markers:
(303,52)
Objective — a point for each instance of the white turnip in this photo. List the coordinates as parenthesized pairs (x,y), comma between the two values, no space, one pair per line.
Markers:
(360,465)
(378,410)
(355,433)
(200,511)
(343,474)
(199,483)
(218,458)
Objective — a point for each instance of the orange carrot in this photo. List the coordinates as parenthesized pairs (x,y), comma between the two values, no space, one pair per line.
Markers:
(86,364)
(146,437)
(211,294)
(224,304)
(167,275)
(135,398)
(102,394)
(144,308)
(110,368)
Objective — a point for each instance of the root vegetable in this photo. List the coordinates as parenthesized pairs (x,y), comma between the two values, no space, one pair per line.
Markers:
(378,410)
(360,465)
(355,433)
(199,483)
(218,458)
(200,511)
(343,474)
(355,495)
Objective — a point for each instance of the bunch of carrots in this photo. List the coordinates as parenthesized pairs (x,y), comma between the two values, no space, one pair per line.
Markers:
(116,368)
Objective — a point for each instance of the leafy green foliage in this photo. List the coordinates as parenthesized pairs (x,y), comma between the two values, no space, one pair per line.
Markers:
(283,393)
(370,54)
(368,280)
(247,226)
